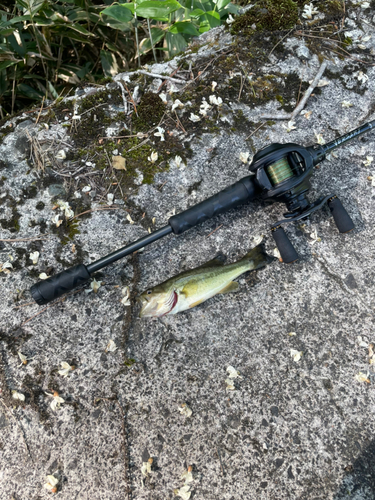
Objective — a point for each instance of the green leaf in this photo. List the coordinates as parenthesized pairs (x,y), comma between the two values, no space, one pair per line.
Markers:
(204,26)
(28,91)
(145,45)
(119,12)
(197,13)
(184,27)
(158,10)
(52,89)
(109,63)
(4,83)
(213,18)
(176,43)
(6,64)
(231,9)
(221,4)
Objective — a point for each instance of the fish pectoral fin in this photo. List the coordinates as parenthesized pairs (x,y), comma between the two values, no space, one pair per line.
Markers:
(231,287)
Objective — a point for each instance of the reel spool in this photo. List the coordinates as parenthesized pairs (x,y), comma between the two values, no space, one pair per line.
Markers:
(283,172)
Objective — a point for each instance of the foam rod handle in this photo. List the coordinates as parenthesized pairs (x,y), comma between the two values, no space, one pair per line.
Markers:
(240,192)
(286,249)
(342,219)
(52,288)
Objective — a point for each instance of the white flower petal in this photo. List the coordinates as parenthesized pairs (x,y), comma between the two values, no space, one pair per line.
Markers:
(194,118)
(233,373)
(34,256)
(111,346)
(18,395)
(296,355)
(185,410)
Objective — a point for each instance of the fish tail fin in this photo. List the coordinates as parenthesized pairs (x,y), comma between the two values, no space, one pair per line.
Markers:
(257,257)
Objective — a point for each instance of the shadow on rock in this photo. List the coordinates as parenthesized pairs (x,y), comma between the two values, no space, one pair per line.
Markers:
(359,483)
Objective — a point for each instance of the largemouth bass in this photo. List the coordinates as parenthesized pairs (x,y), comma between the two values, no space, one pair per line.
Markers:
(190,288)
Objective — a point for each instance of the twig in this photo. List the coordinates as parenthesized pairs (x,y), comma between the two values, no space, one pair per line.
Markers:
(123,97)
(41,107)
(163,77)
(212,232)
(221,463)
(300,83)
(241,87)
(301,105)
(283,38)
(308,92)
(95,210)
(14,240)
(131,98)
(253,132)
(172,74)
(179,122)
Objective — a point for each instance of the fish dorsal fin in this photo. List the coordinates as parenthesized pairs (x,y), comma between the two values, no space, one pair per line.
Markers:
(216,262)
(231,287)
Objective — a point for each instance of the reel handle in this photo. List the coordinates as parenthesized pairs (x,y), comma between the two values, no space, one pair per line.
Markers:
(287,251)
(341,217)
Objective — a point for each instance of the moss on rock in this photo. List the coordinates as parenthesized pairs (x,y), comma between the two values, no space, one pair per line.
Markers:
(267,15)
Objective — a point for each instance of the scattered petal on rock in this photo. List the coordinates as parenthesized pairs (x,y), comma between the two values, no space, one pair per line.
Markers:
(34,256)
(233,373)
(296,355)
(185,410)
(22,358)
(346,104)
(60,155)
(368,161)
(290,126)
(111,346)
(361,377)
(66,369)
(244,156)
(18,395)
(184,493)
(160,133)
(194,118)
(51,484)
(126,293)
(154,156)
(110,198)
(43,276)
(130,219)
(230,384)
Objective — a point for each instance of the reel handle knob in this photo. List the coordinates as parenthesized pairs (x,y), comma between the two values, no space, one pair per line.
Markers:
(341,217)
(287,251)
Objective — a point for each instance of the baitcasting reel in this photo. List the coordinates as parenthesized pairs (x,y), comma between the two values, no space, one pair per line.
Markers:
(282,174)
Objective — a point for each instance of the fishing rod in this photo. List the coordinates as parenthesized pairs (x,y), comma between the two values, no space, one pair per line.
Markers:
(279,173)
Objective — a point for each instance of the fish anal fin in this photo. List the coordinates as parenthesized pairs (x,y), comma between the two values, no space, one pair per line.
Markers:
(231,287)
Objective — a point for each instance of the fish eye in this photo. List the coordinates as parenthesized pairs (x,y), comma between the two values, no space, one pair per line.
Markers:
(149,292)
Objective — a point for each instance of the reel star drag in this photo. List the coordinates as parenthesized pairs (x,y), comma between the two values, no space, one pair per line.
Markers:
(280,173)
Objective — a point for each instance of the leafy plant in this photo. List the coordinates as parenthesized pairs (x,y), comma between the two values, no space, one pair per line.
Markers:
(47,46)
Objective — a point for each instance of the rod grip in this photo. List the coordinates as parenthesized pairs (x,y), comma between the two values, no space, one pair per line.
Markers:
(287,251)
(47,290)
(341,217)
(234,195)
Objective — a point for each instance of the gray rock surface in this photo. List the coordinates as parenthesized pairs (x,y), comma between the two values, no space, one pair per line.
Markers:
(290,429)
